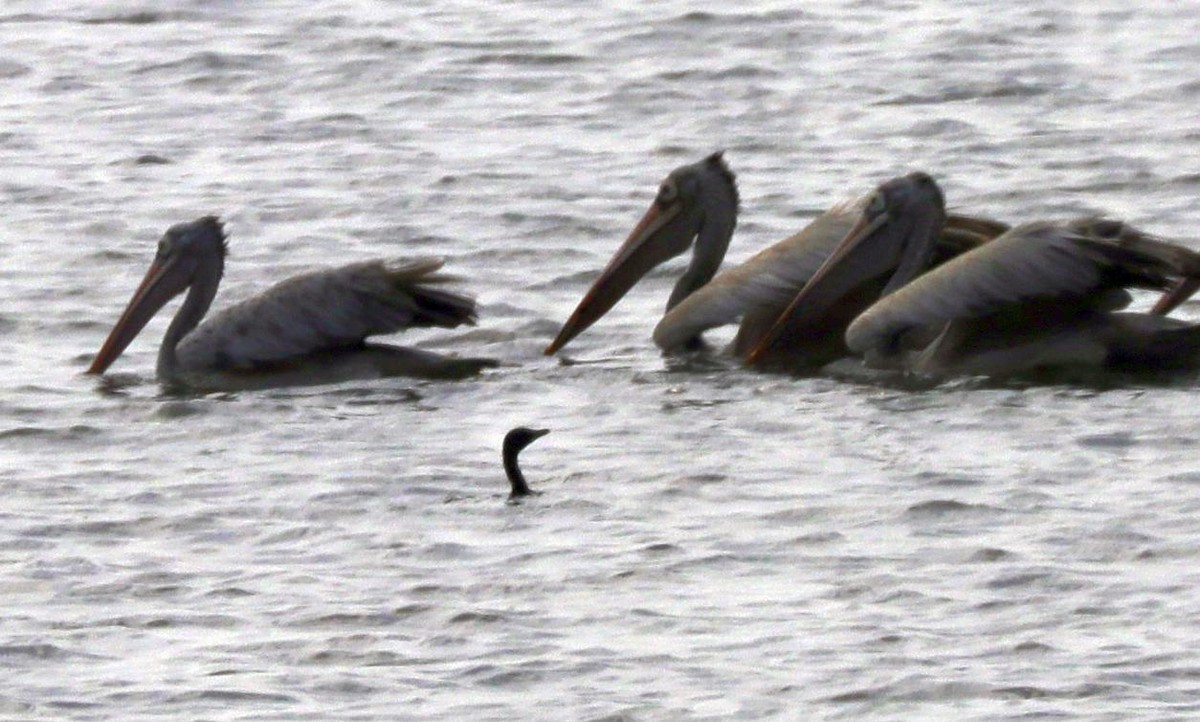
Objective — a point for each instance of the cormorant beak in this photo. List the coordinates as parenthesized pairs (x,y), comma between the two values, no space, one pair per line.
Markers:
(163,281)
(662,234)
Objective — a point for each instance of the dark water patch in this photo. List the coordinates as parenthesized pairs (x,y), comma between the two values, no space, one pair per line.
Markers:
(1188,179)
(633,714)
(195,621)
(676,151)
(210,61)
(107,528)
(231,696)
(412,610)
(858,696)
(1014,90)
(714,561)
(150,159)
(796,515)
(818,538)
(1022,692)
(915,689)
(1113,440)
(9,705)
(225,673)
(36,195)
(25,545)
(476,617)
(737,72)
(65,84)
(511,677)
(118,255)
(527,59)
(378,45)
(21,18)
(344,658)
(141,17)
(651,99)
(942,127)
(104,590)
(660,549)
(72,705)
(347,688)
(16,141)
(905,595)
(1032,648)
(288,536)
(1018,581)
(160,578)
(17,653)
(1108,184)
(10,69)
(229,593)
(989,554)
(1189,674)
(945,508)
(936,478)
(493,675)
(724,22)
(580,278)
(161,591)
(350,620)
(327,127)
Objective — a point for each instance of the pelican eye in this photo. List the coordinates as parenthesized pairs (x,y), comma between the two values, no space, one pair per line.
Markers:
(667,192)
(164,246)
(877,204)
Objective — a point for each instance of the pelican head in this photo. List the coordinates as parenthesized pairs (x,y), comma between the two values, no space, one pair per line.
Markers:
(896,234)
(189,255)
(696,202)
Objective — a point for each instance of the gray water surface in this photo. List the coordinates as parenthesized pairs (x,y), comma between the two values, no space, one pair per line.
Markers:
(712,543)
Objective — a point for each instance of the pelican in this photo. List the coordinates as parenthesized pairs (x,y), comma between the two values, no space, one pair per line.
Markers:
(1043,295)
(308,329)
(514,442)
(700,201)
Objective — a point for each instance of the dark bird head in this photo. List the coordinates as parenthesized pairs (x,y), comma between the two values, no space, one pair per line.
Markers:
(514,442)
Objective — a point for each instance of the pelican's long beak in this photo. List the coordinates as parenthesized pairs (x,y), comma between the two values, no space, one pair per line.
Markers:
(654,240)
(828,283)
(161,284)
(1170,300)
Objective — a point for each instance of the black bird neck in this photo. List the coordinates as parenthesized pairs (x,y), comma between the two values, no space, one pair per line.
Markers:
(515,477)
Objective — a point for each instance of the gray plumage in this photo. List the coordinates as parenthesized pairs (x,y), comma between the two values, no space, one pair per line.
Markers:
(312,328)
(334,308)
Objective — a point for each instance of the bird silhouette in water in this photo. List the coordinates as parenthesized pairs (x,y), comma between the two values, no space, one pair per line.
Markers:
(514,442)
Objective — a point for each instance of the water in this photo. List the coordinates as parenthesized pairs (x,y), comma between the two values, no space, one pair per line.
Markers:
(712,543)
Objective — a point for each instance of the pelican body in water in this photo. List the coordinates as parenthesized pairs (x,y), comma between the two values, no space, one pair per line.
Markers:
(309,329)
(1041,296)
(514,442)
(700,201)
